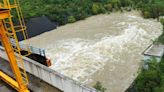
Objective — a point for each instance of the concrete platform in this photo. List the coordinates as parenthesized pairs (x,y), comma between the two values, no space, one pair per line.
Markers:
(35,85)
(5,88)
(155,50)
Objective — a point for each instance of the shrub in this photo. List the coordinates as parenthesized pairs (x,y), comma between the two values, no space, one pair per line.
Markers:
(71,19)
(162,21)
(108,7)
(98,86)
(146,14)
(95,9)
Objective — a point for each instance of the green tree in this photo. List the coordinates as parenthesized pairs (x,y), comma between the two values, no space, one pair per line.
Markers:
(98,86)
(95,9)
(146,14)
(108,7)
(151,79)
(71,19)
(115,3)
(162,21)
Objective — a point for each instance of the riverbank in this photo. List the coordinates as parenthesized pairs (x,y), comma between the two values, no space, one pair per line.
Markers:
(152,75)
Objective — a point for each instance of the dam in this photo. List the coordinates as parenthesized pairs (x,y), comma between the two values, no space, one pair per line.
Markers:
(106,48)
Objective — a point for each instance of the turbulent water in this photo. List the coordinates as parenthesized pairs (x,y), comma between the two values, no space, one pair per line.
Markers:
(105,48)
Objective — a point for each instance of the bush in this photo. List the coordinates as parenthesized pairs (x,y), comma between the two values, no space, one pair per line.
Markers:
(146,14)
(98,86)
(71,19)
(151,79)
(61,10)
(95,9)
(108,7)
(161,38)
(162,21)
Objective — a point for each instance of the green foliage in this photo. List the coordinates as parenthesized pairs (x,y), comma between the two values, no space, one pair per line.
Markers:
(61,10)
(162,21)
(115,3)
(146,14)
(98,86)
(57,10)
(151,79)
(71,19)
(151,8)
(108,7)
(161,38)
(97,8)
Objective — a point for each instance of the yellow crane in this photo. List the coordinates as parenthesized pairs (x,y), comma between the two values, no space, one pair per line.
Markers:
(9,39)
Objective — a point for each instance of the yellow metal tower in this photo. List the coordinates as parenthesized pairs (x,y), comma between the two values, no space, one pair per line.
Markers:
(8,36)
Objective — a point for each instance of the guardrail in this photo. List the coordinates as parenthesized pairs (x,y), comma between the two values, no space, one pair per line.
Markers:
(26,47)
(36,50)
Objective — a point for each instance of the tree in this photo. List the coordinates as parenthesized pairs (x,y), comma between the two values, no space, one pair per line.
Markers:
(115,3)
(61,10)
(151,79)
(98,86)
(95,9)
(146,14)
(162,21)
(108,7)
(71,19)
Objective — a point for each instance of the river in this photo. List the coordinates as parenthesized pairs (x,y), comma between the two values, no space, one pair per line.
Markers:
(105,48)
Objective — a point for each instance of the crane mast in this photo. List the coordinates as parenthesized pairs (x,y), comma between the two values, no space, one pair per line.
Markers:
(9,39)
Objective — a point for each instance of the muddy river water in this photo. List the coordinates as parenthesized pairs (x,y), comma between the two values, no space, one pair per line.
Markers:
(105,48)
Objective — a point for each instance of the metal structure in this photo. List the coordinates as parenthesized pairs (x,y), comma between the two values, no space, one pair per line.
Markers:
(9,11)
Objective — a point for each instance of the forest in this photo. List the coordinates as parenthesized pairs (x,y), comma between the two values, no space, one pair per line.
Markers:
(68,11)
(151,78)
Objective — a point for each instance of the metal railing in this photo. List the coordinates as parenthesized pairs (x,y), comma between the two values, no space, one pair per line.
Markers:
(33,49)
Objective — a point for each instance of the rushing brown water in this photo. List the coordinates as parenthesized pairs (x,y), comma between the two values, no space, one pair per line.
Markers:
(105,48)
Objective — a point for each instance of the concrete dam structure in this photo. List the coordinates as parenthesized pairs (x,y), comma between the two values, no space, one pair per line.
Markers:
(50,76)
(106,48)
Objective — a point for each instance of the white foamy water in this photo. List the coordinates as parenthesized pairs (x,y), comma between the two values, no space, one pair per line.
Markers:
(105,47)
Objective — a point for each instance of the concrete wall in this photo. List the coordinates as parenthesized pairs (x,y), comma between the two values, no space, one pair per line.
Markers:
(51,77)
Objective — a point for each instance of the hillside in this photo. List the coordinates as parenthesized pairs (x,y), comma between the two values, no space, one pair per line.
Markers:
(67,11)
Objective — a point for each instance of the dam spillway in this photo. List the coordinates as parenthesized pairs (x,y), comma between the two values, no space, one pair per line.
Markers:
(105,48)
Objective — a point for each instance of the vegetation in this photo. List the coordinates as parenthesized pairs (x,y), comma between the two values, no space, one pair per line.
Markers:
(151,78)
(66,11)
(161,38)
(98,86)
(153,8)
